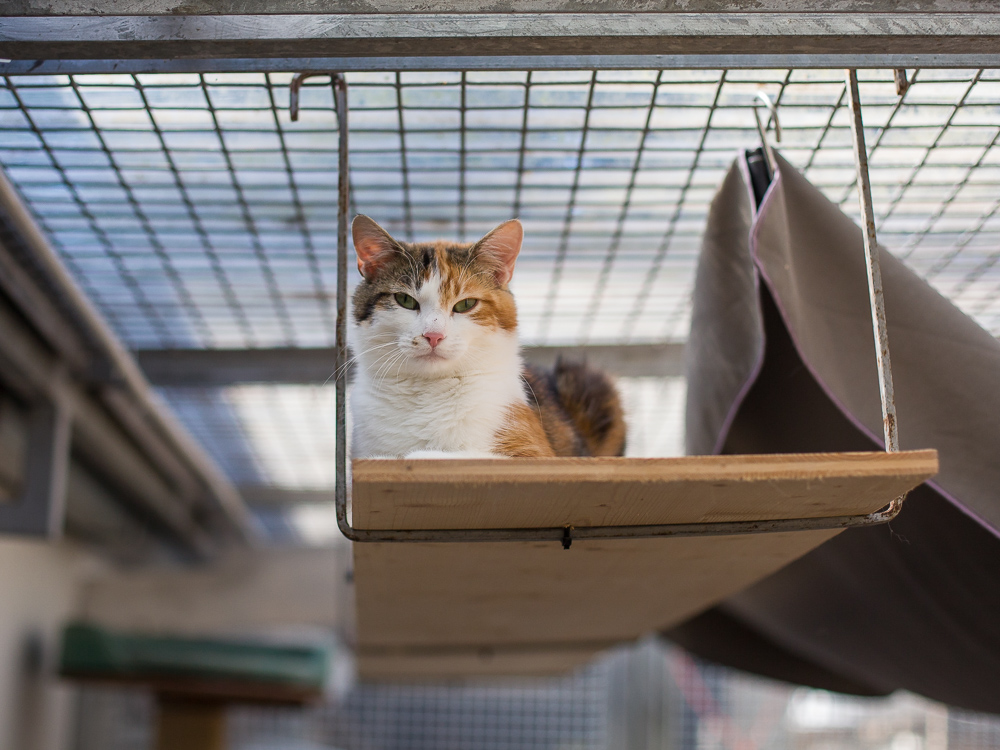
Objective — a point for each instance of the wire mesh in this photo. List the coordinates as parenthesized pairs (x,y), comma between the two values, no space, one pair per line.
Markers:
(646,697)
(196,214)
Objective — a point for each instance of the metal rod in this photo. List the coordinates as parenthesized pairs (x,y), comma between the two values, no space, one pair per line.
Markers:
(343,188)
(729,61)
(764,145)
(558,534)
(875,295)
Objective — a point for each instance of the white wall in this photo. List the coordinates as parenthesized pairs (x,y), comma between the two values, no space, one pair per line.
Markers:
(41,585)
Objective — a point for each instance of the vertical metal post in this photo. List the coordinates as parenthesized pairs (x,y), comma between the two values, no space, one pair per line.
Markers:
(343,186)
(874,272)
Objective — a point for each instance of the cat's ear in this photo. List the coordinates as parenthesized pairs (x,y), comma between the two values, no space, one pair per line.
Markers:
(373,245)
(501,246)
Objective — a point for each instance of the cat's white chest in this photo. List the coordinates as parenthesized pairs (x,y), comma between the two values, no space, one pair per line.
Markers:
(455,415)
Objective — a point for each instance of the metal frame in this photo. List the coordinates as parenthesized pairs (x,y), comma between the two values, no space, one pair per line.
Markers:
(40,507)
(62,359)
(71,66)
(78,34)
(566,534)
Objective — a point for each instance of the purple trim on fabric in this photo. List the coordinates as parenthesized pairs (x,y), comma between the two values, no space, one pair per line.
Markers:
(759,362)
(754,236)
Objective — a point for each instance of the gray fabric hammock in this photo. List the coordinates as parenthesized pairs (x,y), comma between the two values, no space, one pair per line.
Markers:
(782,360)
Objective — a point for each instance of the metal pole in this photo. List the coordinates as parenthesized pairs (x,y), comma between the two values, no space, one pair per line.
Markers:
(343,186)
(875,295)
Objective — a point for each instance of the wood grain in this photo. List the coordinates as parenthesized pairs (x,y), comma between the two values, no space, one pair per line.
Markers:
(540,492)
(433,609)
(493,594)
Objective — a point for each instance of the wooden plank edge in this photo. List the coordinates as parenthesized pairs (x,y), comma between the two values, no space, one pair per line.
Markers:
(918,464)
(465,663)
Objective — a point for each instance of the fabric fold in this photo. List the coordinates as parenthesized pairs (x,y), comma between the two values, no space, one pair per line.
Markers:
(782,360)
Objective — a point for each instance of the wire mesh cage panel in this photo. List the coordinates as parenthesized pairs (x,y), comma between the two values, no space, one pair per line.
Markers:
(648,697)
(196,214)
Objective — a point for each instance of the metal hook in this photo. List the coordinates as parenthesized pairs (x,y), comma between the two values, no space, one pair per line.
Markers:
(295,86)
(761,130)
(772,107)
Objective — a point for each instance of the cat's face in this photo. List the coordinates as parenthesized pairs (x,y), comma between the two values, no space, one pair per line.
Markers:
(432,309)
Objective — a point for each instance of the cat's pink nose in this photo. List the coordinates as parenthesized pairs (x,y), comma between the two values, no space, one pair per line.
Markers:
(433,338)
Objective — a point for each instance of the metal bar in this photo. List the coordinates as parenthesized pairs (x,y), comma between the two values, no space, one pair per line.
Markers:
(563,535)
(875,294)
(614,245)
(558,534)
(928,157)
(306,7)
(20,288)
(68,65)
(40,508)
(343,203)
(642,297)
(100,439)
(301,219)
(432,34)
(569,216)
(143,405)
(249,219)
(204,240)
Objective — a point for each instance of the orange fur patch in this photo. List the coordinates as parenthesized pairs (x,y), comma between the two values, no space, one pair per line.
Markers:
(462,277)
(522,435)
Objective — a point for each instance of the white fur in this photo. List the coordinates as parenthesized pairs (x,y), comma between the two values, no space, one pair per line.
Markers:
(404,403)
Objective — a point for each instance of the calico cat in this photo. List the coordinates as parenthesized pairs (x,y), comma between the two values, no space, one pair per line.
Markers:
(439,370)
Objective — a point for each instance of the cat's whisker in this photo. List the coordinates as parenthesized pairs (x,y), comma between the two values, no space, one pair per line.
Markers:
(384,368)
(534,396)
(340,371)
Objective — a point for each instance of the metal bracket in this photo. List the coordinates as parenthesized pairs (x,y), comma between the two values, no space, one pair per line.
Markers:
(40,508)
(557,534)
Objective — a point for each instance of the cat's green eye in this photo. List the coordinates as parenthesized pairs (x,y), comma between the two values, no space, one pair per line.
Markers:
(465,305)
(405,300)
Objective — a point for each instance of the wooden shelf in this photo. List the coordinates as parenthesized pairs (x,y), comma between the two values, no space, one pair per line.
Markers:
(455,609)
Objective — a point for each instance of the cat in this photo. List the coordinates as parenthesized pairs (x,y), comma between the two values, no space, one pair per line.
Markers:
(440,372)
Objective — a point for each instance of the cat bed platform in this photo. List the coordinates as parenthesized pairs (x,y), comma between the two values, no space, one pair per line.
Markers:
(464,609)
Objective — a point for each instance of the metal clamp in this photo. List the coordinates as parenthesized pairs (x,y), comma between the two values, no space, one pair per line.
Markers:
(556,534)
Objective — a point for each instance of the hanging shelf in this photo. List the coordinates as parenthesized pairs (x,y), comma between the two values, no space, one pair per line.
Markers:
(473,608)
(527,566)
